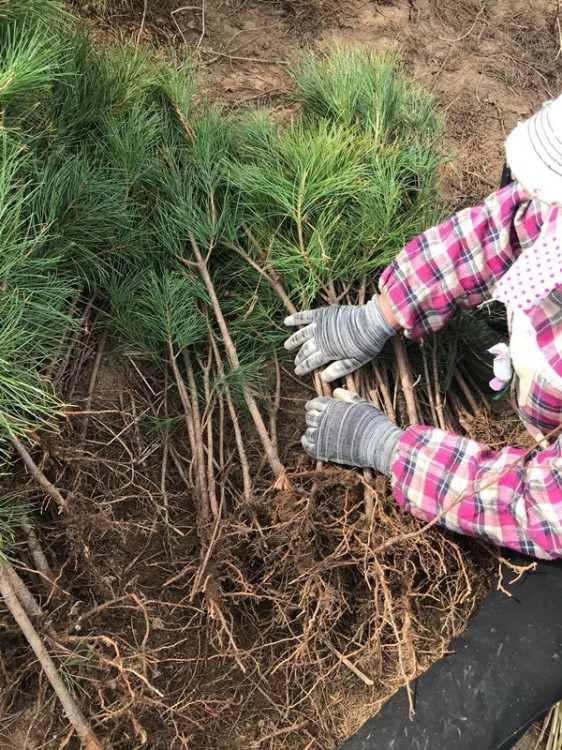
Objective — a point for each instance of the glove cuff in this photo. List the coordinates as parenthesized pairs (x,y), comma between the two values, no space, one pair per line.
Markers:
(388,451)
(377,325)
(379,444)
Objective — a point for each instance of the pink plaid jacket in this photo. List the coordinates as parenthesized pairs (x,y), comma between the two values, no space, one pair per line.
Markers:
(509,497)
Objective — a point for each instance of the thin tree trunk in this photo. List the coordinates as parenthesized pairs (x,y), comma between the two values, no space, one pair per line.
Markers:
(405,378)
(282,481)
(200,475)
(244,464)
(37,474)
(71,709)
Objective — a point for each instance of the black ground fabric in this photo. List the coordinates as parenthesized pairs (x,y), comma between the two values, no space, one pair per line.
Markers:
(502,674)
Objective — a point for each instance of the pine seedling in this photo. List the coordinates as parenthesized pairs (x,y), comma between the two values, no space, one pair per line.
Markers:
(369,93)
(294,187)
(360,88)
(33,298)
(326,202)
(150,311)
(176,93)
(195,205)
(54,210)
(51,13)
(26,400)
(158,315)
(16,236)
(30,60)
(47,15)
(131,140)
(82,205)
(96,83)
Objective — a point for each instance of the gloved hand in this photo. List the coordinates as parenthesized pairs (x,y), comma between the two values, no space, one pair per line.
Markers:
(349,430)
(349,334)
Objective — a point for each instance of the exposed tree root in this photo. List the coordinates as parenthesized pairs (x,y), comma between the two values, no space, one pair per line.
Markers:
(314,599)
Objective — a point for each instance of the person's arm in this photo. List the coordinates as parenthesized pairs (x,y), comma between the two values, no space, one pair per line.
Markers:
(506,497)
(457,264)
(451,266)
(511,498)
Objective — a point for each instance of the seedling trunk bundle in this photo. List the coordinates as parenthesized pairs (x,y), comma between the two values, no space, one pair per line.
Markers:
(197,570)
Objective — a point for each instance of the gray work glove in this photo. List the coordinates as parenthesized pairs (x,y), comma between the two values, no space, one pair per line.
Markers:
(349,334)
(349,430)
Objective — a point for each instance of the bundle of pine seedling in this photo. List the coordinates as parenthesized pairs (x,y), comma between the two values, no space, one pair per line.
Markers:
(182,236)
(254,218)
(258,218)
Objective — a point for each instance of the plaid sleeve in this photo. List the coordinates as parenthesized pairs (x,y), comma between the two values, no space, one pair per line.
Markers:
(509,498)
(456,265)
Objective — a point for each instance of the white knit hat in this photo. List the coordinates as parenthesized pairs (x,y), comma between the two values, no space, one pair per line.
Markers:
(534,153)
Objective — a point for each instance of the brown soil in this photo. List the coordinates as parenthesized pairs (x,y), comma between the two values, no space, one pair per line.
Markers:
(181,670)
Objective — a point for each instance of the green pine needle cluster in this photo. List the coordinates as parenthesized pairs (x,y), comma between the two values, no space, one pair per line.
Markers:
(113,171)
(79,129)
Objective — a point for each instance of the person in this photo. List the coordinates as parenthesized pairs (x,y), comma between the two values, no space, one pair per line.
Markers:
(505,670)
